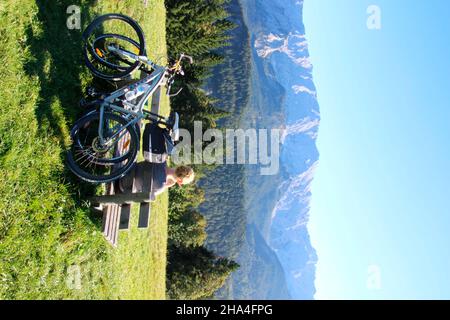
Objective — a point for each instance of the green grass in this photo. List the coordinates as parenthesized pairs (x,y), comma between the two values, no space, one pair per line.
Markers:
(46,228)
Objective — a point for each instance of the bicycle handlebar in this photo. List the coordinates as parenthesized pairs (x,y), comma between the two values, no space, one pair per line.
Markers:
(177,68)
(183,56)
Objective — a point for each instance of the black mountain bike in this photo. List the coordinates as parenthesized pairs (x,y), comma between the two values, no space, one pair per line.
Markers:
(105,141)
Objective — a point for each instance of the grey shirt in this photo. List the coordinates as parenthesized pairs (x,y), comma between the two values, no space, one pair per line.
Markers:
(159,177)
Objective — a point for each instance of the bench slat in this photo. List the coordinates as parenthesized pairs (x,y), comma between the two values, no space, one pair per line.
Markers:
(125,217)
(144,215)
(114,224)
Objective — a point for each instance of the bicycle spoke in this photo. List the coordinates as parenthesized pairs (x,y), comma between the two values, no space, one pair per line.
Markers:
(85,154)
(86,158)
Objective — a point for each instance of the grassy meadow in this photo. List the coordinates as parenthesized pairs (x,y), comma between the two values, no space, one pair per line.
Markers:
(48,234)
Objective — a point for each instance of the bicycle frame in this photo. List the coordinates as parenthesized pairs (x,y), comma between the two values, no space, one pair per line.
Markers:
(155,79)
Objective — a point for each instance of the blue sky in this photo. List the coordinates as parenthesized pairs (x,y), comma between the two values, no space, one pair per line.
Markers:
(381,194)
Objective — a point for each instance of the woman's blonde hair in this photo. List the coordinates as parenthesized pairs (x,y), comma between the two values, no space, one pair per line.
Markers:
(185,172)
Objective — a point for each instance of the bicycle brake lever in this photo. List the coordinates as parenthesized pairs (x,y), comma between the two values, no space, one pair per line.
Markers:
(174,94)
(191,60)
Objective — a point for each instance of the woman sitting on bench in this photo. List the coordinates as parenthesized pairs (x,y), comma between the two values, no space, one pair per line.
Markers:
(180,175)
(165,177)
(157,146)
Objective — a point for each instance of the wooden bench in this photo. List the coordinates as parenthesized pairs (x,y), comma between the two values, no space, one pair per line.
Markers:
(135,187)
(117,204)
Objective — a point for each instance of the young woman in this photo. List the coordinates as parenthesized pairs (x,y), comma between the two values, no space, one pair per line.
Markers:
(165,177)
(180,175)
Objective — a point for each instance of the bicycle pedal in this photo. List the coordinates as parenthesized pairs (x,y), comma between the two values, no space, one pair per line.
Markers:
(92,92)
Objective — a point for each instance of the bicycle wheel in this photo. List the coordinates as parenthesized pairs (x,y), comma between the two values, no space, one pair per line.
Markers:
(103,34)
(99,163)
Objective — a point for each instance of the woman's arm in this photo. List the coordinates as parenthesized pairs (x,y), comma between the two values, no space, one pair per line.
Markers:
(170,182)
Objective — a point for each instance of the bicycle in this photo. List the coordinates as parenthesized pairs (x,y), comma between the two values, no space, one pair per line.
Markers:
(105,141)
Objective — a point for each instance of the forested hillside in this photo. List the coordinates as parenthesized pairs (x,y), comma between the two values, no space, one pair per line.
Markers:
(231,208)
(199,28)
(224,207)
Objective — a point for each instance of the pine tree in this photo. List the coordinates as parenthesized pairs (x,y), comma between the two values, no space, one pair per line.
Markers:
(195,273)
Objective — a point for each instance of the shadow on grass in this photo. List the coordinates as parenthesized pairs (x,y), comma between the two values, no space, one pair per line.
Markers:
(58,63)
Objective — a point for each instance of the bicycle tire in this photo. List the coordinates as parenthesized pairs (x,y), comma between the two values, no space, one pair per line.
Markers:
(122,73)
(114,175)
